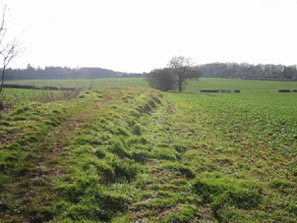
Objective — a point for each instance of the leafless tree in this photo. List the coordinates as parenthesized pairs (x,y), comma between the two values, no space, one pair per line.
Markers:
(184,69)
(8,51)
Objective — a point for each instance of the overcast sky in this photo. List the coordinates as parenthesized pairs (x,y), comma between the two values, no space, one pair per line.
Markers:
(140,35)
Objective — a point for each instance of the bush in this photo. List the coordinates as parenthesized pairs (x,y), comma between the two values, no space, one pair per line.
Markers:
(209,91)
(284,91)
(225,91)
(162,79)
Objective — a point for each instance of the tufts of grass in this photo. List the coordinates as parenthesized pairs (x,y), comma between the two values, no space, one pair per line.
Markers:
(164,153)
(179,169)
(182,214)
(223,191)
(119,148)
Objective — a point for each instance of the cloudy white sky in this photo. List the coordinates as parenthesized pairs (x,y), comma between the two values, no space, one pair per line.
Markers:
(140,35)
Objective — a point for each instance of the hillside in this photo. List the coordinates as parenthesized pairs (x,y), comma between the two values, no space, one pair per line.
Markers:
(56,73)
(139,155)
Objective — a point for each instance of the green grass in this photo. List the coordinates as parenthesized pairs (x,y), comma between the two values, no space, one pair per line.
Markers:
(87,83)
(14,96)
(136,154)
(238,84)
(243,138)
(191,86)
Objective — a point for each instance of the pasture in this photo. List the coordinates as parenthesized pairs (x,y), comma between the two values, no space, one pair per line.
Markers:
(191,86)
(121,152)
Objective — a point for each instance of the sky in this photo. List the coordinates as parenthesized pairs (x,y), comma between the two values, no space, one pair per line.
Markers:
(141,35)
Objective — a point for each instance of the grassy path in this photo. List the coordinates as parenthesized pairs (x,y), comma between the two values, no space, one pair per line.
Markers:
(165,191)
(30,192)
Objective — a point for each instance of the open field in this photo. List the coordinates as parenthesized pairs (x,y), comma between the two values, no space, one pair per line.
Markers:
(138,155)
(87,83)
(14,97)
(192,86)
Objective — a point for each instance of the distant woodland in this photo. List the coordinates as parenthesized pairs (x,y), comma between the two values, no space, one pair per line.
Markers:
(249,71)
(224,70)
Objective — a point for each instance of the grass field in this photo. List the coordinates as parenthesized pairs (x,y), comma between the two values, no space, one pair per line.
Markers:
(87,83)
(129,154)
(191,86)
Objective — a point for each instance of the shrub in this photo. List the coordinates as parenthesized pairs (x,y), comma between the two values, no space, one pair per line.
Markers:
(236,91)
(209,91)
(162,79)
(225,91)
(284,91)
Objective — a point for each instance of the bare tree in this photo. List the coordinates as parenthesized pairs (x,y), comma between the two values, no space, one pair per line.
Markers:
(184,69)
(8,51)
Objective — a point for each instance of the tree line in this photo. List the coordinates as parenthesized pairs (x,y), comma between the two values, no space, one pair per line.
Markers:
(223,70)
(180,69)
(249,71)
(53,72)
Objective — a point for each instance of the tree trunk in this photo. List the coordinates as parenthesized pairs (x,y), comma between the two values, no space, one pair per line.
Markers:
(2,80)
(180,85)
(1,89)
